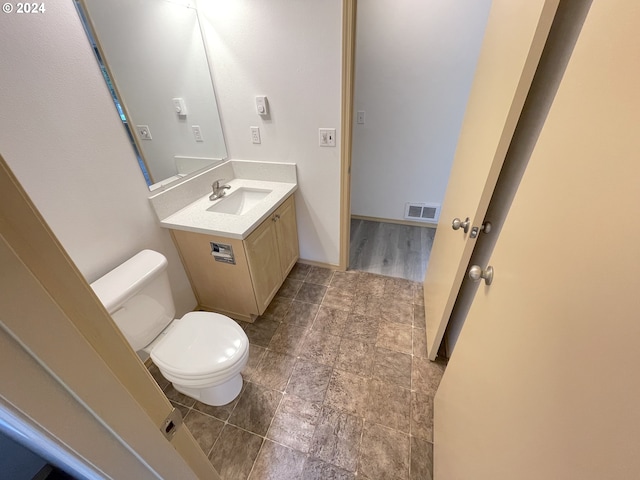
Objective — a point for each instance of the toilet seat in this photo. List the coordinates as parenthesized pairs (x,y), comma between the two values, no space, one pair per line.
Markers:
(201,348)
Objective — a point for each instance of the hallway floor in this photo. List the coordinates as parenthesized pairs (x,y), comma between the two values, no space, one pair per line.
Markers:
(391,249)
(337,385)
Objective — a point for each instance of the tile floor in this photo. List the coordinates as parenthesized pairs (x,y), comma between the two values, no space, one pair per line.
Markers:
(337,385)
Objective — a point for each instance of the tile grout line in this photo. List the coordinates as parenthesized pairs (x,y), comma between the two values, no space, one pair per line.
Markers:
(284,392)
(265,438)
(226,422)
(309,328)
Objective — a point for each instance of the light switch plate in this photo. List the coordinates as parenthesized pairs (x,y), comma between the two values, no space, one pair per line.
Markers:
(144,132)
(180,107)
(327,137)
(262,106)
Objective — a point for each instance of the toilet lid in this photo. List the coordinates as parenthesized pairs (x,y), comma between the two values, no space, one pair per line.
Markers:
(200,343)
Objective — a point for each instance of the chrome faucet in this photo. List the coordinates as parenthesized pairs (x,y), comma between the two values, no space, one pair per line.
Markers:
(218,190)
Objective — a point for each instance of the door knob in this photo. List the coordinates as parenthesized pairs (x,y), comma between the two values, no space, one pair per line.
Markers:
(486,227)
(457,224)
(476,273)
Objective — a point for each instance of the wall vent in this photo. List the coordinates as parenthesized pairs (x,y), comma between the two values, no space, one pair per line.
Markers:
(422,212)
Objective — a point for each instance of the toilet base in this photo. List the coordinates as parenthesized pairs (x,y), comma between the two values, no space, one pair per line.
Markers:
(217,395)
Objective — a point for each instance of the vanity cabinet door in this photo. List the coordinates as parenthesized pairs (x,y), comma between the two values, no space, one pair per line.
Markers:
(287,233)
(264,262)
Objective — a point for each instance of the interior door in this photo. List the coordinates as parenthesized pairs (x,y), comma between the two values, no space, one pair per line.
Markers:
(515,36)
(544,381)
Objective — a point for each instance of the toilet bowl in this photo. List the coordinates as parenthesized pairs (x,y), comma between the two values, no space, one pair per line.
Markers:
(202,354)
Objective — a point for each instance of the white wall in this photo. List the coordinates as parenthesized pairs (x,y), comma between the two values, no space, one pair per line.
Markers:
(290,51)
(156,53)
(61,136)
(415,61)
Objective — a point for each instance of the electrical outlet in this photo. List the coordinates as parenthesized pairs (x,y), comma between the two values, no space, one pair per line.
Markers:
(327,137)
(143,132)
(255,134)
(197,133)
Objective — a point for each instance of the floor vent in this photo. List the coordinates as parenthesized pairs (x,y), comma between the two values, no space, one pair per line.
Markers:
(422,212)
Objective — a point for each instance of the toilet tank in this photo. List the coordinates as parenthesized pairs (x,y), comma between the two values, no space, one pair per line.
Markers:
(138,297)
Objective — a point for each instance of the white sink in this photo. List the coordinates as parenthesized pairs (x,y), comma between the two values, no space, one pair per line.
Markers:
(239,202)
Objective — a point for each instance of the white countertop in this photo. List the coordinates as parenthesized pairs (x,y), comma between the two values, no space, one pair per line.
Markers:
(184,206)
(195,217)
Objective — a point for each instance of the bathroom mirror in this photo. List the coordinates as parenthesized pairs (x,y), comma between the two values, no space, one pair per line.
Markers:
(153,56)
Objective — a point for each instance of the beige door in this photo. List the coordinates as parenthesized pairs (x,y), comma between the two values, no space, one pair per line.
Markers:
(515,36)
(544,380)
(61,349)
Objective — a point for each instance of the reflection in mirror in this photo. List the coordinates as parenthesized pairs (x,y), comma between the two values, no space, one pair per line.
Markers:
(153,57)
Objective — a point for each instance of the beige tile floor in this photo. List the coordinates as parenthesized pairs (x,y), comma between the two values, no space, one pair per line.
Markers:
(337,385)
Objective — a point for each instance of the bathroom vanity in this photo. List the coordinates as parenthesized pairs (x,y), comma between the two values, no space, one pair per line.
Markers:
(238,249)
(257,265)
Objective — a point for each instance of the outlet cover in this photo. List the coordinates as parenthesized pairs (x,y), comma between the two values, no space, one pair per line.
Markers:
(327,137)
(197,133)
(255,134)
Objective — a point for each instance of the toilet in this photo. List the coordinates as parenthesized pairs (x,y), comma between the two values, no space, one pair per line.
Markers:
(201,354)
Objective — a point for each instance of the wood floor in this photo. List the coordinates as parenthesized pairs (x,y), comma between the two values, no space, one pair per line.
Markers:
(390,249)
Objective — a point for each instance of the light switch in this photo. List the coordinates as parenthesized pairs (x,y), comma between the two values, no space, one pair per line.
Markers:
(143,132)
(180,106)
(327,137)
(360,117)
(262,106)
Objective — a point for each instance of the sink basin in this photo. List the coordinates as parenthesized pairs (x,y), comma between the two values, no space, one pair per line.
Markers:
(239,202)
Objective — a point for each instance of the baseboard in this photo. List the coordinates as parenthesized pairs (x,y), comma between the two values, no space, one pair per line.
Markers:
(399,222)
(372,219)
(313,263)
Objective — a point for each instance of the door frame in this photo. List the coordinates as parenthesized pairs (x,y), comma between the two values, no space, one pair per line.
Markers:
(349,10)
(50,313)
